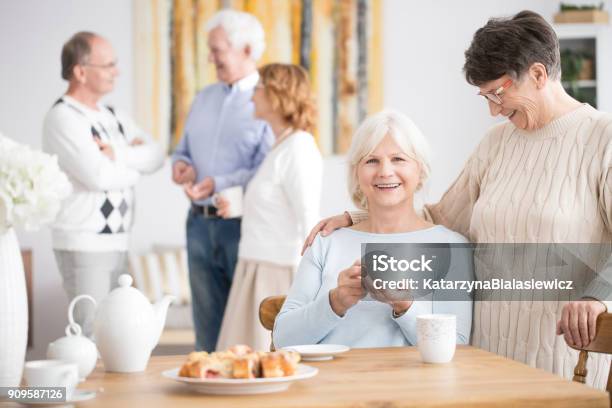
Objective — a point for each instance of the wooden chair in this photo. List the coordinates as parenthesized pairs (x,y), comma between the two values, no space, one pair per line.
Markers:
(268,310)
(602,343)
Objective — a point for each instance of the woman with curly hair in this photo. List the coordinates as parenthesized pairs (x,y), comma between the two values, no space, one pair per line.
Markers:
(281,203)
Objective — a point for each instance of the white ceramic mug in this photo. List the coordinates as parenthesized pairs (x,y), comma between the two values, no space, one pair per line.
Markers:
(52,373)
(437,337)
(233,195)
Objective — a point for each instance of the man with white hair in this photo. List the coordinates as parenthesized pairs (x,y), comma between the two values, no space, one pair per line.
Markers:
(222,146)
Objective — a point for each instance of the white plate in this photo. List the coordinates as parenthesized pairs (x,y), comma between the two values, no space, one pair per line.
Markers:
(229,386)
(77,396)
(318,352)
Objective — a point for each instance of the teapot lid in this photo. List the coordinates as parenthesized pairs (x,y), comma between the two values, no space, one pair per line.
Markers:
(73,338)
(73,329)
(125,280)
(125,289)
(125,296)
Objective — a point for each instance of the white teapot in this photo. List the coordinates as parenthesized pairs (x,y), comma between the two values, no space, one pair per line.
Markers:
(127,327)
(75,348)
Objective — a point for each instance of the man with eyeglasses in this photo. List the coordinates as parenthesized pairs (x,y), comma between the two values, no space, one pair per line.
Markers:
(103,153)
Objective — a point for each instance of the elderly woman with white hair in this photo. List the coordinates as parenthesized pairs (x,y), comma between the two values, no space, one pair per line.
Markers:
(388,164)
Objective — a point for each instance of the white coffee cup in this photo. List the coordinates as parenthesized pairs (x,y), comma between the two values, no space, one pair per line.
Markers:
(233,196)
(52,373)
(437,337)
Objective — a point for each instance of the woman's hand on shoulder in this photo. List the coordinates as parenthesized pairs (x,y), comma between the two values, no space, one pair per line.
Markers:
(326,227)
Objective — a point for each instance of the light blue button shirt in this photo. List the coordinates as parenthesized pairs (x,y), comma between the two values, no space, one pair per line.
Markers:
(222,138)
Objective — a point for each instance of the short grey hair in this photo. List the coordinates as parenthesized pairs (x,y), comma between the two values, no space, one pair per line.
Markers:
(242,29)
(511,46)
(76,51)
(369,135)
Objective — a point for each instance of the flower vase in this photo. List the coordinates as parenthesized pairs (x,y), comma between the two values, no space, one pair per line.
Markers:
(13,311)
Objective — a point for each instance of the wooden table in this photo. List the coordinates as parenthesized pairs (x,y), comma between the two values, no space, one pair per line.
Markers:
(389,377)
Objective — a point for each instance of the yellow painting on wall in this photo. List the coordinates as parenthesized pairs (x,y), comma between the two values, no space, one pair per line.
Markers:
(337,42)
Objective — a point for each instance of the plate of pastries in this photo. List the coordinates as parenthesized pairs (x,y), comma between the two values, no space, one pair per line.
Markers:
(240,370)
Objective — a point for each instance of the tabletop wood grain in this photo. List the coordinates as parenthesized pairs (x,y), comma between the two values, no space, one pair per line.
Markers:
(386,377)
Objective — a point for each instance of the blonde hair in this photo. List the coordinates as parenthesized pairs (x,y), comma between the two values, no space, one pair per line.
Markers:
(287,88)
(369,135)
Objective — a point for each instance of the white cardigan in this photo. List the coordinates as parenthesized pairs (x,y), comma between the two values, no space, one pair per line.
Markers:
(282,201)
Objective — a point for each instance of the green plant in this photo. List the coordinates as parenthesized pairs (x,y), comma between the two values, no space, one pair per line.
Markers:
(571,65)
(573,7)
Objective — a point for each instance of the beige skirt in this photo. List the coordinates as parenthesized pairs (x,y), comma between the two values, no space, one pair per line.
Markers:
(253,282)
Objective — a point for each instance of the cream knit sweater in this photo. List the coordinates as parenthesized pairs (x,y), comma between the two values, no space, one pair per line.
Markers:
(552,185)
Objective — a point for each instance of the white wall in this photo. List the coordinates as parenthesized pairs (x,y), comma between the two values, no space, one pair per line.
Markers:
(423,57)
(425,43)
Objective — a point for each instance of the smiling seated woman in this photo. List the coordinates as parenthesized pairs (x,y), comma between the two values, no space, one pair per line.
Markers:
(388,164)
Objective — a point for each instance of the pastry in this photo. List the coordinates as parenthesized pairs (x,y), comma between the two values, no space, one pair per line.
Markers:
(188,367)
(240,349)
(289,361)
(271,365)
(216,367)
(240,361)
(204,365)
(244,367)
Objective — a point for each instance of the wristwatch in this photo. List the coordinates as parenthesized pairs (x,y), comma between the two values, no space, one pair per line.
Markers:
(396,315)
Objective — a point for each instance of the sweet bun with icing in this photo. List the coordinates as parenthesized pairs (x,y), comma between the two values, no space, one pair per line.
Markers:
(240,361)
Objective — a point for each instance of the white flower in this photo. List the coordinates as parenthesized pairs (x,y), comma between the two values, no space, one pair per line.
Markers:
(32,186)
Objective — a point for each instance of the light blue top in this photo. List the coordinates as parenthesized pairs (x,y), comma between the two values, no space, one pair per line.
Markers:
(222,138)
(307,317)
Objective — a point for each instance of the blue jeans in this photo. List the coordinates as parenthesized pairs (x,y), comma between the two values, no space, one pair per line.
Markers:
(212,252)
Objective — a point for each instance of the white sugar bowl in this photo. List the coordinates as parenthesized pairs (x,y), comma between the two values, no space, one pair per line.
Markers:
(75,348)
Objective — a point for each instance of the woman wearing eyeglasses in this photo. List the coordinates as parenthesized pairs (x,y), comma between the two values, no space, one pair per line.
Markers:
(543,176)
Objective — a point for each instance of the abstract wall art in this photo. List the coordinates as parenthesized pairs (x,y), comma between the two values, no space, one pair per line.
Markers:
(337,41)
